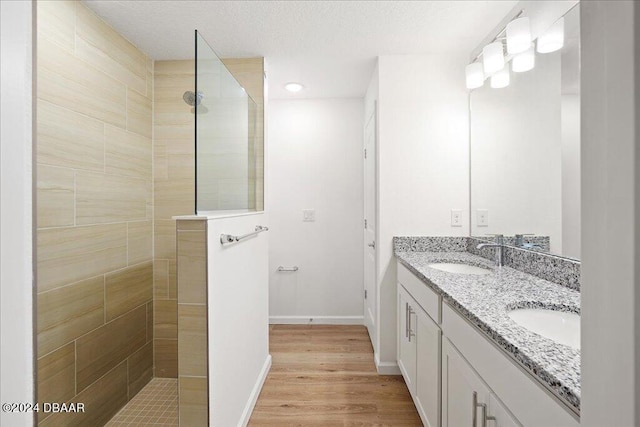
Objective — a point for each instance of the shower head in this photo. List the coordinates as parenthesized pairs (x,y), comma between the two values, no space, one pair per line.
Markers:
(192,99)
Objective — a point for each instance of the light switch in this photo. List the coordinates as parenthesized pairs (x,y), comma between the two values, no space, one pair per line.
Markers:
(308,215)
(456,217)
(482,217)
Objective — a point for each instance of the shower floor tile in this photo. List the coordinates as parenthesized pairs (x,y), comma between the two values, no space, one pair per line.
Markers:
(155,405)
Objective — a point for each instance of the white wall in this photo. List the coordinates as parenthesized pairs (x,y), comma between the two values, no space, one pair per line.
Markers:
(16,275)
(238,295)
(315,162)
(423,160)
(610,213)
(516,163)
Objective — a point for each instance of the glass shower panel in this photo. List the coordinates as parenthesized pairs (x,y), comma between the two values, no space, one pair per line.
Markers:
(227,139)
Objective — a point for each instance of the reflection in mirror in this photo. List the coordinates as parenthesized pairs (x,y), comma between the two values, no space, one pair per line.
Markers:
(525,153)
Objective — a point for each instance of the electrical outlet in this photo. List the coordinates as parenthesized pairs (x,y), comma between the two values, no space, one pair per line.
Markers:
(456,217)
(482,217)
(308,215)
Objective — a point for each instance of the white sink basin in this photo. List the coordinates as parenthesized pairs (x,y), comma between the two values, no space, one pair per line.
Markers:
(559,326)
(451,267)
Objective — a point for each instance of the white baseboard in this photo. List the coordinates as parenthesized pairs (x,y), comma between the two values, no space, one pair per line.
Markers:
(386,368)
(316,320)
(253,398)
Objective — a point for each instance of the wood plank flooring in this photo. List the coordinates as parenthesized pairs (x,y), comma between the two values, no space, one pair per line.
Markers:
(324,375)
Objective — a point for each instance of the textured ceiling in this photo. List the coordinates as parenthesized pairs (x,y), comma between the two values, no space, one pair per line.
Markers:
(328,46)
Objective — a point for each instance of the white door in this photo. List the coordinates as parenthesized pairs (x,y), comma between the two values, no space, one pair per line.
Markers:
(370,225)
(428,341)
(503,417)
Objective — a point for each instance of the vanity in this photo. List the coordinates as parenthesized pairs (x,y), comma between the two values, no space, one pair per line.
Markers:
(488,326)
(465,361)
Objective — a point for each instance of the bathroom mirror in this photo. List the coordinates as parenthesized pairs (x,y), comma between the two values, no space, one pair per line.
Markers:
(525,153)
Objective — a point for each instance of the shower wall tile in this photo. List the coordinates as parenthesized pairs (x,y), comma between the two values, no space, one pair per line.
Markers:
(67,81)
(127,153)
(104,198)
(98,44)
(150,324)
(193,401)
(102,400)
(140,369)
(174,197)
(173,279)
(102,349)
(166,320)
(192,340)
(139,117)
(165,353)
(67,313)
(139,241)
(160,279)
(71,254)
(69,139)
(192,267)
(57,375)
(95,215)
(56,197)
(57,22)
(164,244)
(127,289)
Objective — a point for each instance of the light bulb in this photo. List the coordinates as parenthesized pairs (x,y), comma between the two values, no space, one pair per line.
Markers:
(553,38)
(475,75)
(524,61)
(293,87)
(518,35)
(493,57)
(501,78)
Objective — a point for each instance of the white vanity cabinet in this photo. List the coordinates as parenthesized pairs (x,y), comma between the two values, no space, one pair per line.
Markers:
(466,399)
(419,352)
(447,363)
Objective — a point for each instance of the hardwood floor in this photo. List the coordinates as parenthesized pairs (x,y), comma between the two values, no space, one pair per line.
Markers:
(324,375)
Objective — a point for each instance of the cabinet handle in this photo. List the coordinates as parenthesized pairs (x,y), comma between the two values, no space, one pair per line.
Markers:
(411,334)
(406,320)
(483,406)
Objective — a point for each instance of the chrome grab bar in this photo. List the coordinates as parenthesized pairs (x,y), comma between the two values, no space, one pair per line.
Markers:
(228,238)
(294,268)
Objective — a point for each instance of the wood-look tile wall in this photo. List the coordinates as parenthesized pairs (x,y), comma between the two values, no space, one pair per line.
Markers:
(174,194)
(193,390)
(95,224)
(174,184)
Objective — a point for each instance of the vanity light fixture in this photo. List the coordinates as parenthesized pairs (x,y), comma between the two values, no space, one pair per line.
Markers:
(293,87)
(518,35)
(493,57)
(552,39)
(475,75)
(524,61)
(501,78)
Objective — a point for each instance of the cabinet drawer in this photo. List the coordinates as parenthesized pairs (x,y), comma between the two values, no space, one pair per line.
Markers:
(420,291)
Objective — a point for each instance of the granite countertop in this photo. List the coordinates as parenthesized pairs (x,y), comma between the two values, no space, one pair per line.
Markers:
(485,300)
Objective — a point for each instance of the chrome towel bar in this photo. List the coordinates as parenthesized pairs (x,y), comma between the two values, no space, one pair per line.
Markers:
(228,238)
(294,268)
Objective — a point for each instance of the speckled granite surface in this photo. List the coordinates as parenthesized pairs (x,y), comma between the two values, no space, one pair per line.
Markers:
(563,271)
(485,300)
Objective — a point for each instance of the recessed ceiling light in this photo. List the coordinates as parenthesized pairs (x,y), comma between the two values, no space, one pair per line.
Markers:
(293,87)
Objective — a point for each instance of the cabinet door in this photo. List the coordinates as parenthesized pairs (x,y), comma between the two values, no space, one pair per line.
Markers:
(406,340)
(428,343)
(459,384)
(503,418)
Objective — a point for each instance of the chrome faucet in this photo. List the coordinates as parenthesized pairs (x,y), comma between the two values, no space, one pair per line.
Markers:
(499,245)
